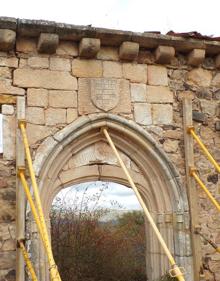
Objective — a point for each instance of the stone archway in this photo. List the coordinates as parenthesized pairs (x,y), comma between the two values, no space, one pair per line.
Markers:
(154,174)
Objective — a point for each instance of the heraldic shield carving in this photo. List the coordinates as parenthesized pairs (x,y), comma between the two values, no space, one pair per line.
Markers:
(105,93)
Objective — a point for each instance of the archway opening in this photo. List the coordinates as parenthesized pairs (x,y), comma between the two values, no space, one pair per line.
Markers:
(98,233)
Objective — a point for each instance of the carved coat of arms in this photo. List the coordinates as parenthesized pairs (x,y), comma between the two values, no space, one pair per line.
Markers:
(104,93)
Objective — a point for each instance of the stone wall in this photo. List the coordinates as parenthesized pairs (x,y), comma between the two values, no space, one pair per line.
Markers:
(65,79)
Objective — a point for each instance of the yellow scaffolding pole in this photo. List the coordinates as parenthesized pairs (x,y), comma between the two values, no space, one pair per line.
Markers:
(175,269)
(27,261)
(202,185)
(54,274)
(191,131)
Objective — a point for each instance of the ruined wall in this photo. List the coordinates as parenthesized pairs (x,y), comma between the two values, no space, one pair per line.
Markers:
(61,81)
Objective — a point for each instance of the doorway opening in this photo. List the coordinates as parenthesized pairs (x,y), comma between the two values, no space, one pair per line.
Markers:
(98,233)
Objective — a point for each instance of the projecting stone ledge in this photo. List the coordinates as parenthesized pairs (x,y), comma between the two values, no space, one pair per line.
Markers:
(89,47)
(48,43)
(7,39)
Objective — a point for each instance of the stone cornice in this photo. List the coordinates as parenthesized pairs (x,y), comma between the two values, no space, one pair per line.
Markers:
(110,37)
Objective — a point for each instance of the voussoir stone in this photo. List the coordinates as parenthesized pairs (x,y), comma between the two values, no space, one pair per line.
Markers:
(199,77)
(56,80)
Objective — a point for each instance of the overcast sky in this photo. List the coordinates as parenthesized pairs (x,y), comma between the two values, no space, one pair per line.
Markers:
(138,15)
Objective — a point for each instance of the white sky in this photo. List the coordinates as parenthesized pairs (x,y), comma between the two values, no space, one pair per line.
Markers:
(139,15)
(113,196)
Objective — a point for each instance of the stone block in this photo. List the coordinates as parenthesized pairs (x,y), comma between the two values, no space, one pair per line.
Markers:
(57,80)
(7,261)
(7,39)
(37,133)
(135,72)
(9,62)
(60,64)
(35,115)
(26,45)
(9,132)
(55,116)
(103,94)
(108,53)
(71,115)
(5,72)
(216,80)
(198,116)
(38,62)
(162,114)
(37,97)
(66,48)
(89,47)
(199,77)
(7,89)
(217,61)
(170,146)
(159,94)
(138,92)
(142,113)
(7,109)
(47,43)
(63,99)
(164,54)
(208,107)
(128,51)
(112,69)
(87,68)
(196,57)
(217,125)
(157,75)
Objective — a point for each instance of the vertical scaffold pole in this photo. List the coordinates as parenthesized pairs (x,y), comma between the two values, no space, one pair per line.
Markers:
(175,270)
(191,188)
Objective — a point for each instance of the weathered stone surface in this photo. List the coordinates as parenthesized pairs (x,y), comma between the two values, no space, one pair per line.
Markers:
(47,43)
(38,62)
(170,146)
(72,114)
(173,134)
(216,80)
(113,93)
(157,75)
(9,62)
(35,115)
(162,114)
(199,77)
(198,116)
(89,47)
(63,99)
(7,260)
(196,57)
(159,94)
(66,48)
(57,80)
(37,97)
(164,54)
(7,89)
(112,69)
(87,68)
(138,92)
(9,131)
(128,51)
(61,64)
(5,72)
(208,107)
(142,113)
(217,125)
(7,109)
(7,39)
(217,61)
(54,116)
(108,53)
(135,72)
(37,133)
(26,45)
